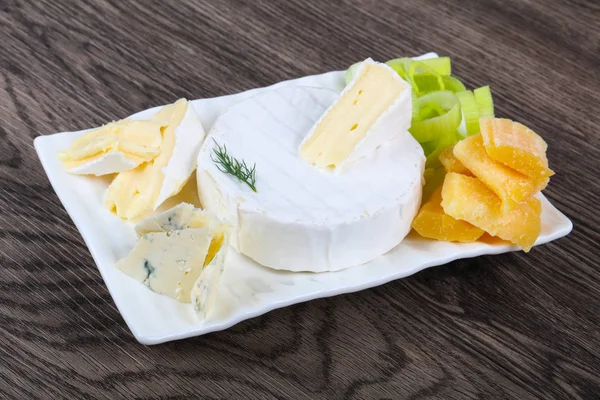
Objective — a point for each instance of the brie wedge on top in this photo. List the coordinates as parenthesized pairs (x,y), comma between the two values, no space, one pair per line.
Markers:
(135,192)
(180,253)
(115,147)
(303,218)
(374,108)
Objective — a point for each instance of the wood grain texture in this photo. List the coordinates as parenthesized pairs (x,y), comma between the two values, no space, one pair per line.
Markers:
(508,326)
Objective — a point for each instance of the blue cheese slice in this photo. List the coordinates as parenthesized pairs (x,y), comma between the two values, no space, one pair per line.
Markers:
(168,263)
(174,219)
(206,288)
(180,253)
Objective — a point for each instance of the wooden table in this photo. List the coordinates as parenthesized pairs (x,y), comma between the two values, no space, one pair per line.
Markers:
(508,326)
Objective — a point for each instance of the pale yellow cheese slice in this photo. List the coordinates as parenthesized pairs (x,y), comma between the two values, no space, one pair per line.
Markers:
(133,193)
(373,109)
(114,147)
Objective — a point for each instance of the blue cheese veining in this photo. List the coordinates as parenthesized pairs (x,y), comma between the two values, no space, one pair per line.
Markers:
(180,253)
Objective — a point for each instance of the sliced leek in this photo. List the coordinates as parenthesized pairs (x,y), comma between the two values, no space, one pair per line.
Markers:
(470,111)
(425,76)
(415,105)
(453,84)
(431,128)
(429,147)
(485,104)
(442,108)
(426,83)
(439,65)
(400,65)
(430,111)
(434,177)
(445,141)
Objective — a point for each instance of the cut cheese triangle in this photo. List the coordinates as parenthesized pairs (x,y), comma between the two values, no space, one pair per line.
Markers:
(432,222)
(138,191)
(451,163)
(115,147)
(516,146)
(168,263)
(374,108)
(511,186)
(180,253)
(468,199)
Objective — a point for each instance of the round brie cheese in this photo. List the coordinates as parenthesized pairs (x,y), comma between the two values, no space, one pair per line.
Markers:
(302,218)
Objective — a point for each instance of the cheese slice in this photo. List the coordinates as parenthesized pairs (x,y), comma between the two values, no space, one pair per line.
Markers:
(174,219)
(374,108)
(168,263)
(206,288)
(115,147)
(180,253)
(140,190)
(511,186)
(469,199)
(302,218)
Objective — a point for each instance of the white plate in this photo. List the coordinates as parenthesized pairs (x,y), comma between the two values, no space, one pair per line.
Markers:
(248,289)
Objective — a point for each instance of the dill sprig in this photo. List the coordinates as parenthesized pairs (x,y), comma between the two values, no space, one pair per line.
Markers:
(230,165)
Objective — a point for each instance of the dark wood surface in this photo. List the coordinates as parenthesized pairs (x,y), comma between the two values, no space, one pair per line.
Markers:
(508,326)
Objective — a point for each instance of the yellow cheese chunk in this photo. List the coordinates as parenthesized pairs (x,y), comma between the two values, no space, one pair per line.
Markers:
(133,193)
(432,222)
(511,186)
(516,146)
(344,128)
(186,216)
(467,198)
(451,163)
(136,141)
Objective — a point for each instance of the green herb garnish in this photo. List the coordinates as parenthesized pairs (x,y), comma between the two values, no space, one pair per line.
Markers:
(232,166)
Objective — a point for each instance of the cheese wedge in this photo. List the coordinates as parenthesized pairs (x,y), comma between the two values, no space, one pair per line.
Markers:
(511,186)
(302,218)
(168,263)
(140,190)
(451,163)
(180,253)
(433,223)
(115,147)
(374,108)
(468,199)
(516,146)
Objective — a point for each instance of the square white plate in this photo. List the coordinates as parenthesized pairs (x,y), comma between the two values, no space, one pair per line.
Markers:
(248,289)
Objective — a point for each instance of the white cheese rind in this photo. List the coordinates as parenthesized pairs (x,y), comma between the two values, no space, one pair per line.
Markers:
(302,218)
(110,163)
(391,123)
(189,136)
